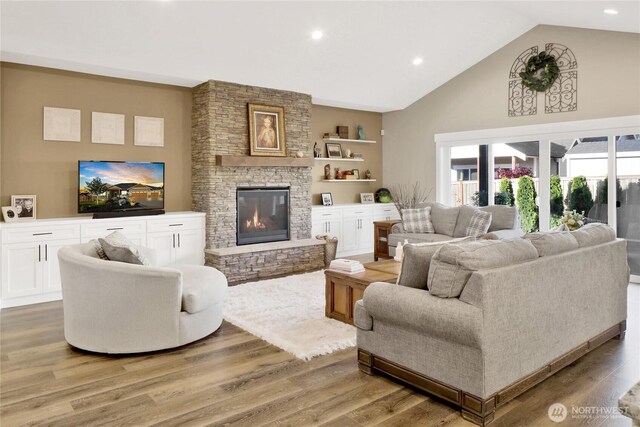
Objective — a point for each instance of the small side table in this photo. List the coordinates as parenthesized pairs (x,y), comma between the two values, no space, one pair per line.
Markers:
(381,231)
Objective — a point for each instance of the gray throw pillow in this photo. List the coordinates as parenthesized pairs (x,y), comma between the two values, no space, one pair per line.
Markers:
(417,220)
(416,258)
(594,234)
(119,248)
(98,248)
(479,224)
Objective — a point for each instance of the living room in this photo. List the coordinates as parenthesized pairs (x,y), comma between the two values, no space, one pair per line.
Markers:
(235,148)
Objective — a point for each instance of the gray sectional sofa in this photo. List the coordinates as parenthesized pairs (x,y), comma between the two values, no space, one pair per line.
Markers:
(514,313)
(452,222)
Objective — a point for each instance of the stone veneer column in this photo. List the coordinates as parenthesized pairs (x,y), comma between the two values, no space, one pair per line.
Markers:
(220,126)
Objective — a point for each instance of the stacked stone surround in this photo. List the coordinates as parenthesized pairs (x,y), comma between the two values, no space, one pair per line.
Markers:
(220,126)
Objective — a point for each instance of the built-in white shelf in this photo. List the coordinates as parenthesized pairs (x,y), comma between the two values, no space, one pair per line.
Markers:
(361,141)
(348,180)
(339,160)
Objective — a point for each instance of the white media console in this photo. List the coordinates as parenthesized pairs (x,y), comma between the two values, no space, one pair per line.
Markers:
(29,268)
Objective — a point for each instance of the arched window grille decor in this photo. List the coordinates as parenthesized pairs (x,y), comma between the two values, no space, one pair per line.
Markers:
(561,97)
(522,100)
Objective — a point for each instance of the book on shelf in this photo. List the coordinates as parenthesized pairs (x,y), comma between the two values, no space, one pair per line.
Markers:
(346,266)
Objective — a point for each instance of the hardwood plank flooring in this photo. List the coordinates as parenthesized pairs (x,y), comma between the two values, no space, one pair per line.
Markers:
(234,378)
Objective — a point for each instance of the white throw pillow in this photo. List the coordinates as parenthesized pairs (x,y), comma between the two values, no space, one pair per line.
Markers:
(119,248)
(417,220)
(479,223)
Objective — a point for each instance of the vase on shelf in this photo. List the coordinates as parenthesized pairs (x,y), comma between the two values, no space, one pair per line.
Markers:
(360,132)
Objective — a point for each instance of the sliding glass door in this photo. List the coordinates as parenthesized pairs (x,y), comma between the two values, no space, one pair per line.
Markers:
(592,167)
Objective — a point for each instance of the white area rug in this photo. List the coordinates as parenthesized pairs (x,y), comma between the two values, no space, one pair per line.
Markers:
(288,312)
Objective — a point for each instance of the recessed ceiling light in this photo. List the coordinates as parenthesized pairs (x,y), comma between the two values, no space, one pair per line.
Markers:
(611,11)
(417,61)
(317,35)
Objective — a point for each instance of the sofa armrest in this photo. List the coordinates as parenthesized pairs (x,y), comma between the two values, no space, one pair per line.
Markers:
(397,228)
(511,233)
(416,309)
(361,318)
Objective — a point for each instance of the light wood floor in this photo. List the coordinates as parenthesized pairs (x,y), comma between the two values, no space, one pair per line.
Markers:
(234,378)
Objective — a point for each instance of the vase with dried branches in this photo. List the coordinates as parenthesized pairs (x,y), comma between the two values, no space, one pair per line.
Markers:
(408,196)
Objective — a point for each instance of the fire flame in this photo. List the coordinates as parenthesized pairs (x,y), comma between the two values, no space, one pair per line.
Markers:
(254,223)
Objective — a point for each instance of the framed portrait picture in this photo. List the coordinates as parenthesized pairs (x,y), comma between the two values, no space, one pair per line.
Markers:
(366,198)
(24,207)
(266,131)
(356,173)
(9,214)
(334,151)
(327,200)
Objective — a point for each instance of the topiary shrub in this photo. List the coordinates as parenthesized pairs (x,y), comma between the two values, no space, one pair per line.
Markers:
(603,191)
(556,203)
(580,198)
(506,188)
(481,198)
(526,201)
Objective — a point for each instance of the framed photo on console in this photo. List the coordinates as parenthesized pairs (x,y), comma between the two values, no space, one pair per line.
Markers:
(24,207)
(366,198)
(327,200)
(266,131)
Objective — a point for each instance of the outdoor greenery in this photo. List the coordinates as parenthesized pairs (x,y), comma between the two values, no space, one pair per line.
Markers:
(556,203)
(580,198)
(506,189)
(603,191)
(526,201)
(95,186)
(480,198)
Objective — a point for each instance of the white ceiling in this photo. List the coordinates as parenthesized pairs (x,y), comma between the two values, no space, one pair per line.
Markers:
(364,61)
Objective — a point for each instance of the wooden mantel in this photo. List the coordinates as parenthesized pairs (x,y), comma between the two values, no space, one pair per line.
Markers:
(257,161)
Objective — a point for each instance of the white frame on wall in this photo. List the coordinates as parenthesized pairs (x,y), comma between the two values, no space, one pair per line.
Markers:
(544,134)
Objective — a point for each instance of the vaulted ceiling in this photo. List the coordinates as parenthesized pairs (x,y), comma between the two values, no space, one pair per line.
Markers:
(364,60)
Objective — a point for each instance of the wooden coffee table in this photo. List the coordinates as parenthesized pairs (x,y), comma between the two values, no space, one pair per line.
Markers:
(343,290)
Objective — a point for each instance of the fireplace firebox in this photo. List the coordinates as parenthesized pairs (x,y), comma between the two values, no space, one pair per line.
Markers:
(263,215)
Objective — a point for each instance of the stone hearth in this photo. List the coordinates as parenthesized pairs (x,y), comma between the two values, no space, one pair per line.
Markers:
(220,127)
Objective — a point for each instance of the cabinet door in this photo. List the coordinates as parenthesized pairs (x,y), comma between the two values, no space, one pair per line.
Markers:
(318,227)
(350,234)
(365,235)
(21,269)
(51,267)
(163,243)
(336,230)
(189,247)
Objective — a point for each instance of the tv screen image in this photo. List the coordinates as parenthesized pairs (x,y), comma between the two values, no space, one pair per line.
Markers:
(110,186)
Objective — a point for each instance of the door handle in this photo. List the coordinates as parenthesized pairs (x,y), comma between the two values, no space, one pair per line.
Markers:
(46,252)
(178,239)
(175,225)
(115,228)
(329,227)
(39,253)
(42,234)
(174,240)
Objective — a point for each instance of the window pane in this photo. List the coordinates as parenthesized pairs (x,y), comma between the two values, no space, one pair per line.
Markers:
(628,196)
(464,174)
(578,178)
(515,166)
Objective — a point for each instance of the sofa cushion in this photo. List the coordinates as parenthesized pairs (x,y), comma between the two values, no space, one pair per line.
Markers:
(593,234)
(119,248)
(416,258)
(417,220)
(502,217)
(396,238)
(552,243)
(452,265)
(479,224)
(444,218)
(202,287)
(464,218)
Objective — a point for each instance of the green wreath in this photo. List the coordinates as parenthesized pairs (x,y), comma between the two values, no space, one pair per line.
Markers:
(540,73)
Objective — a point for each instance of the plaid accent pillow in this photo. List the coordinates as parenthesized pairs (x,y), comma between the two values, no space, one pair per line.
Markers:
(479,224)
(417,220)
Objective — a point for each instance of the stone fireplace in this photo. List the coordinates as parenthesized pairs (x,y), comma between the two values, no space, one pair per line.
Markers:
(220,131)
(263,215)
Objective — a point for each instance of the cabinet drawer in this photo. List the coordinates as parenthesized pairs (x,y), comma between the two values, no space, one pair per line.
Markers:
(386,208)
(356,212)
(40,234)
(325,214)
(98,228)
(175,224)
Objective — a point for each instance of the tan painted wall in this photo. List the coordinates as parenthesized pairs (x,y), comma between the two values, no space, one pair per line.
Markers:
(48,169)
(608,86)
(325,119)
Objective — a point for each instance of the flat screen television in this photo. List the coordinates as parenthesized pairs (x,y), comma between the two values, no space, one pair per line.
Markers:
(111,186)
